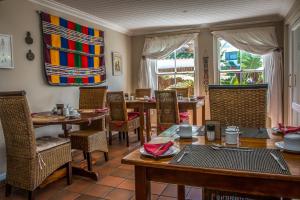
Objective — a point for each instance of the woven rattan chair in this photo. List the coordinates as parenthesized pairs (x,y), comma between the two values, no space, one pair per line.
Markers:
(29,161)
(167,109)
(141,92)
(243,106)
(91,138)
(120,120)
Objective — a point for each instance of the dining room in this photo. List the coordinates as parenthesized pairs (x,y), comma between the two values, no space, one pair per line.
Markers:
(149,100)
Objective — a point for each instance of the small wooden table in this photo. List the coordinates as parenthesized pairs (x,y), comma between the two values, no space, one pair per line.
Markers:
(46,119)
(147,170)
(143,105)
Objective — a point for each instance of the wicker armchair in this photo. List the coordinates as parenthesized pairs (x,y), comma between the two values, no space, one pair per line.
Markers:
(29,161)
(141,92)
(120,120)
(91,137)
(243,105)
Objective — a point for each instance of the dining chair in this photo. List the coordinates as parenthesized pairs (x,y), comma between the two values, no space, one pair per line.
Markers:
(141,92)
(91,137)
(241,105)
(119,119)
(167,109)
(29,160)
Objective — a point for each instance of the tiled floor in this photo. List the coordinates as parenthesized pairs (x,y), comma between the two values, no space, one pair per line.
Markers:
(116,181)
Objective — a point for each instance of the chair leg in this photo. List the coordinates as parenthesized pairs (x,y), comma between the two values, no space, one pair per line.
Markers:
(69,173)
(31,195)
(127,138)
(89,161)
(110,138)
(106,156)
(138,134)
(84,155)
(7,190)
(124,135)
(120,136)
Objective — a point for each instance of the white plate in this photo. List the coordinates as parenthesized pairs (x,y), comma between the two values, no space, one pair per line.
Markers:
(280,145)
(172,151)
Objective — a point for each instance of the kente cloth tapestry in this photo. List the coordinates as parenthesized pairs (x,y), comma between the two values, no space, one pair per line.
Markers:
(73,54)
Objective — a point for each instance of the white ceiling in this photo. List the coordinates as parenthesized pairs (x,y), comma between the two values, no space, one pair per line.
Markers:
(141,16)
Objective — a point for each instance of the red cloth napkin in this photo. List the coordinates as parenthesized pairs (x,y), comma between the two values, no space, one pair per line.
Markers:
(288,129)
(100,110)
(184,116)
(157,149)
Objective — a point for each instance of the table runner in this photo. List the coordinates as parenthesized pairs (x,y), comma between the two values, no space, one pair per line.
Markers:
(258,160)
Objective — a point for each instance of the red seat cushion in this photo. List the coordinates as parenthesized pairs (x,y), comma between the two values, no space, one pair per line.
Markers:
(184,116)
(133,115)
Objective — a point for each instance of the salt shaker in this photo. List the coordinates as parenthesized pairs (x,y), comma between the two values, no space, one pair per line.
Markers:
(210,132)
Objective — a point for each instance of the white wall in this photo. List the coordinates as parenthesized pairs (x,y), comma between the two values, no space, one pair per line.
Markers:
(19,16)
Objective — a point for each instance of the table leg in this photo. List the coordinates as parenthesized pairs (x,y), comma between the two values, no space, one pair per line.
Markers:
(142,184)
(141,111)
(66,128)
(203,114)
(148,125)
(180,192)
(195,114)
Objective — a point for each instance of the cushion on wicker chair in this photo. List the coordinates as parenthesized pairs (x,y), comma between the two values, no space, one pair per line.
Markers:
(133,115)
(48,142)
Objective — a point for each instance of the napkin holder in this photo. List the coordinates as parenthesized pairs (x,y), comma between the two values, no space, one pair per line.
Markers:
(185,131)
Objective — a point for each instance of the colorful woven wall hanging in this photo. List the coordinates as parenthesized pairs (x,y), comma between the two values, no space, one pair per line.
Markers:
(73,54)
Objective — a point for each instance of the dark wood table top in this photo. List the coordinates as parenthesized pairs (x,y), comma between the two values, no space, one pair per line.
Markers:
(292,160)
(47,118)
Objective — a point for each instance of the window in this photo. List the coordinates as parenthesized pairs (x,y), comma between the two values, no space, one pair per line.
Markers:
(177,69)
(238,67)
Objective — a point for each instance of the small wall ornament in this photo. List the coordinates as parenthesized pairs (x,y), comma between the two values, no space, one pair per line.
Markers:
(30,55)
(28,38)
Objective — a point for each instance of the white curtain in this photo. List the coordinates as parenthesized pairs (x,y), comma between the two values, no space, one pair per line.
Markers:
(157,48)
(262,41)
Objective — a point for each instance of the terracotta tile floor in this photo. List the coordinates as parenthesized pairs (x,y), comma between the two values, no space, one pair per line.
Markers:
(116,180)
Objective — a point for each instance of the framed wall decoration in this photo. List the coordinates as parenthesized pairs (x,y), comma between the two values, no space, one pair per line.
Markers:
(6,52)
(73,53)
(116,64)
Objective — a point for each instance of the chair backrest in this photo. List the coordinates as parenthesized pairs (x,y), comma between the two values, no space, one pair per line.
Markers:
(92,97)
(167,108)
(117,106)
(243,105)
(17,125)
(141,92)
(184,92)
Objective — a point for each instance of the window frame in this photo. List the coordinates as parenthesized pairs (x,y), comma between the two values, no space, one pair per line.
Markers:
(218,71)
(194,73)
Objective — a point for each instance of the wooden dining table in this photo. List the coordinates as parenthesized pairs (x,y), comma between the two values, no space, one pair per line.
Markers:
(245,182)
(86,117)
(47,118)
(146,105)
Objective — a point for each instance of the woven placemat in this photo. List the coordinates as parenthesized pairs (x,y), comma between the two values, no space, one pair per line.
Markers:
(257,160)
